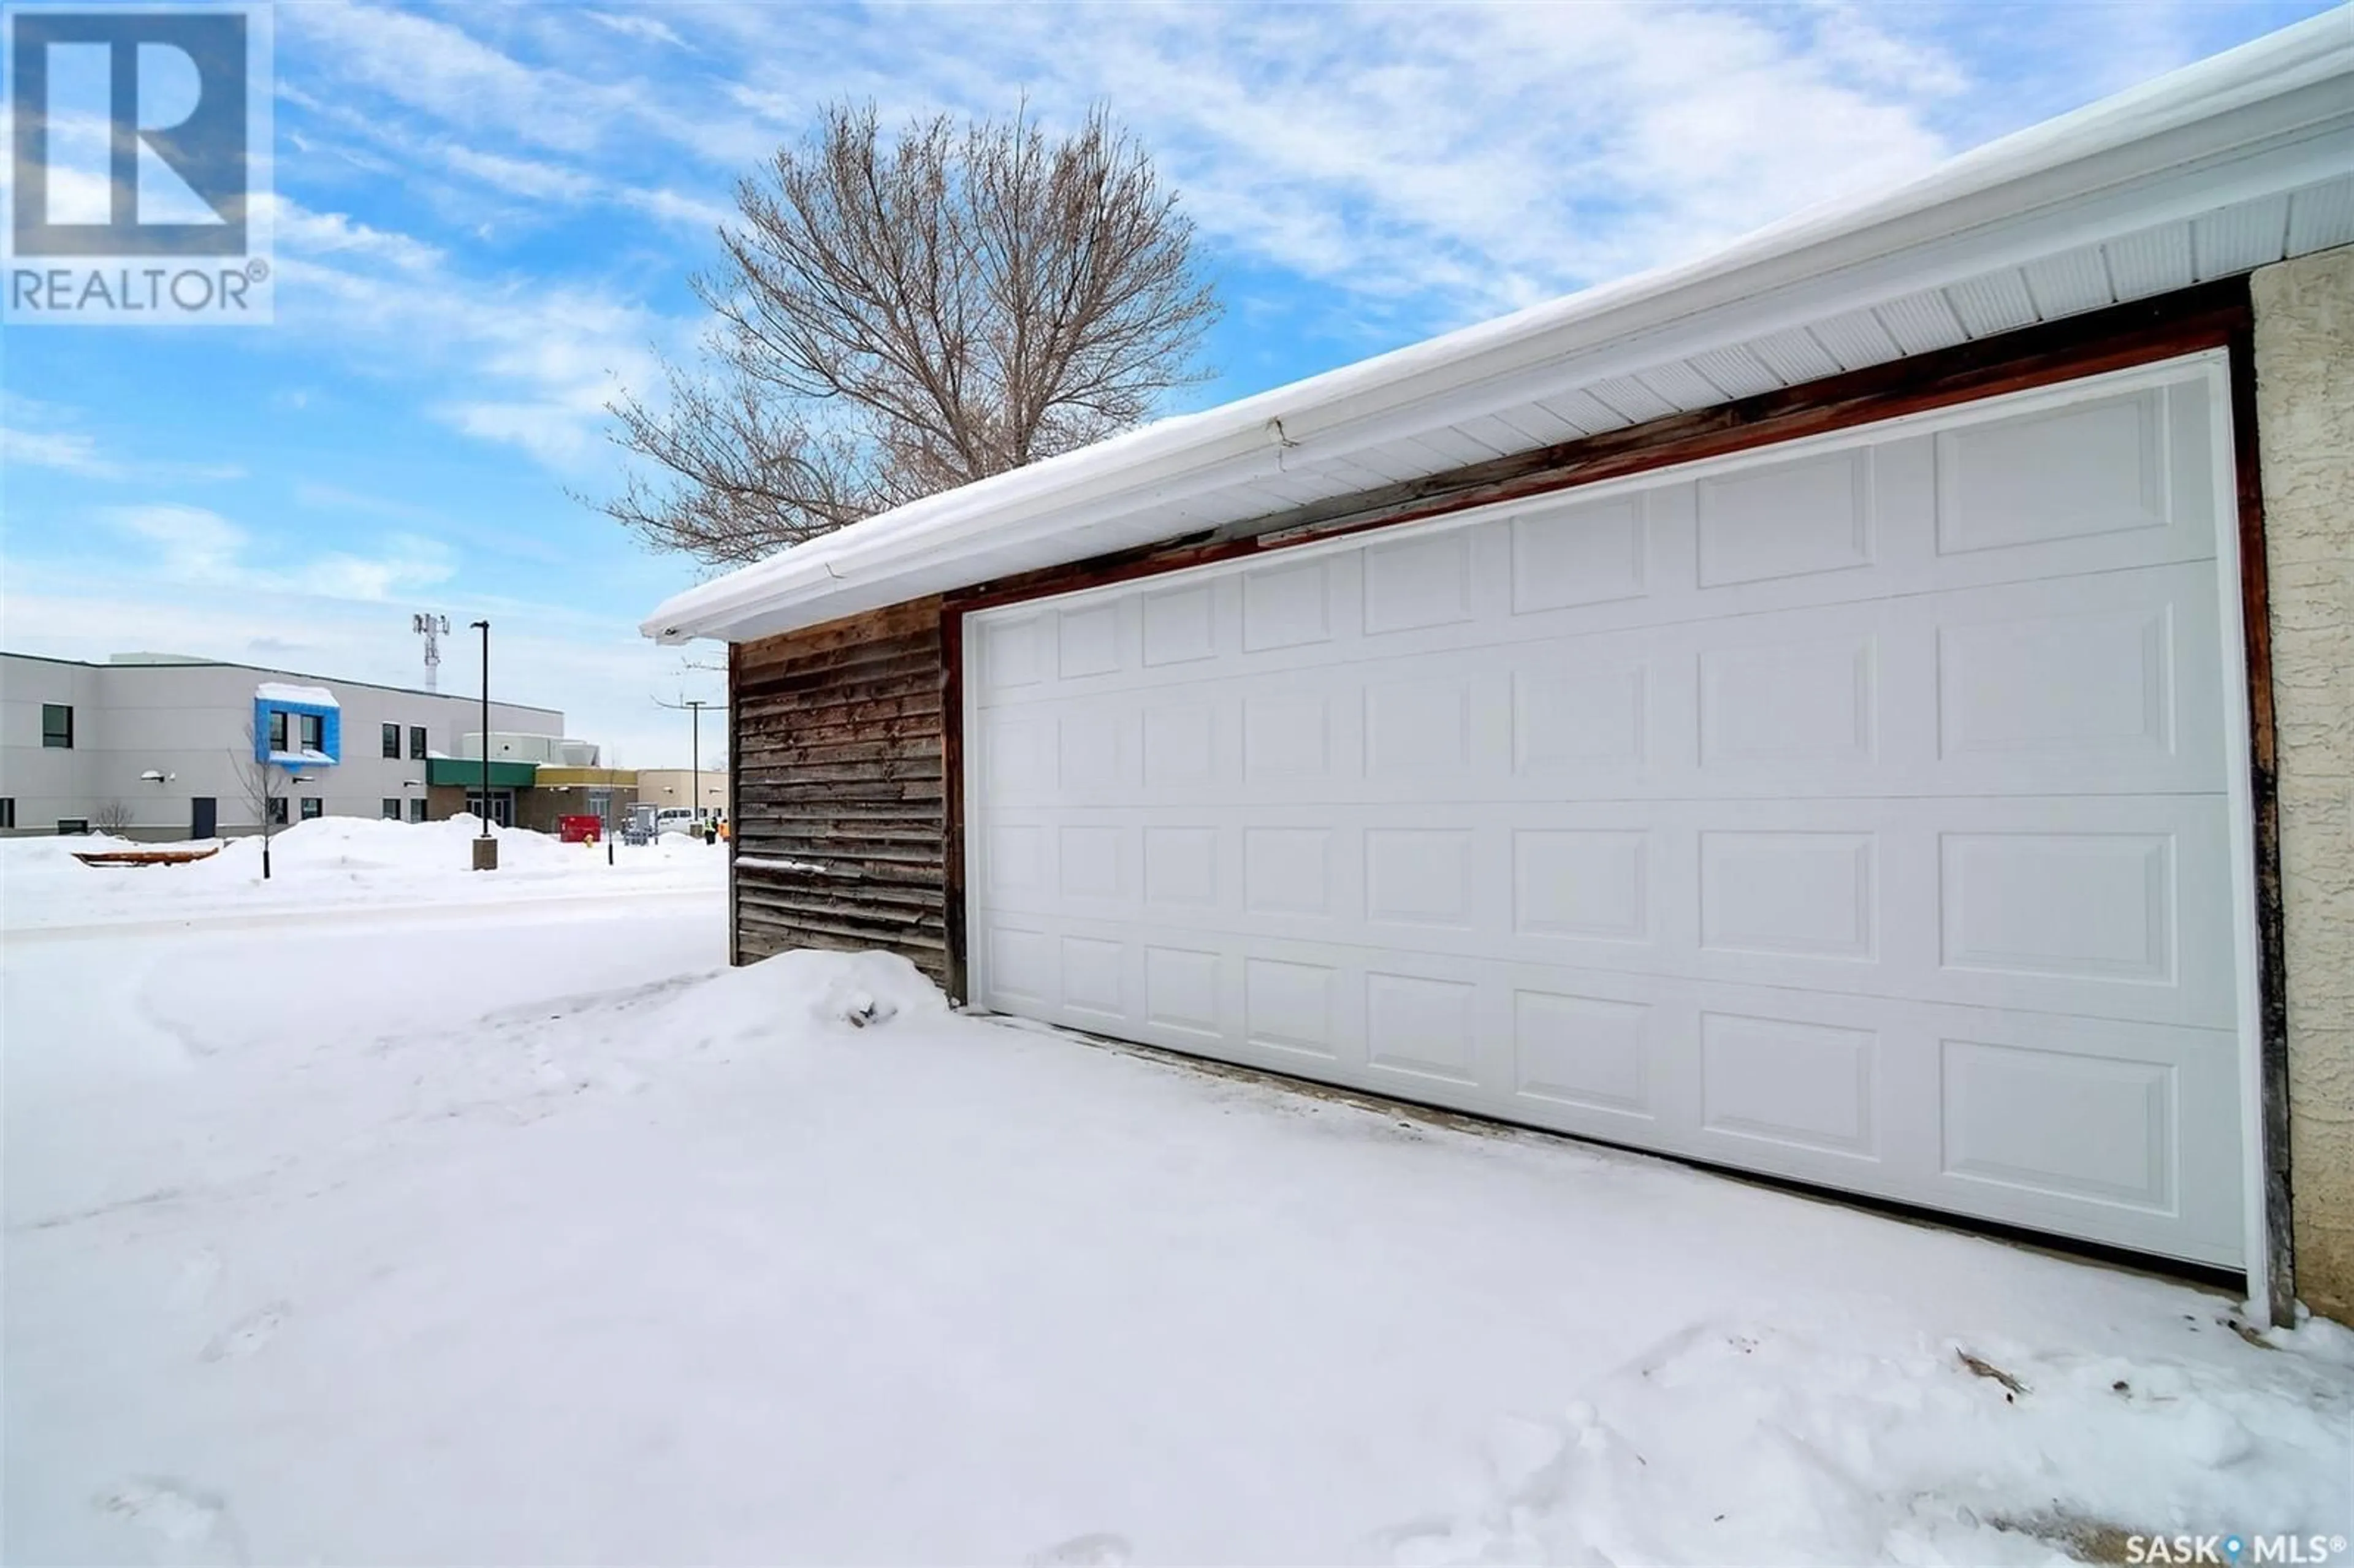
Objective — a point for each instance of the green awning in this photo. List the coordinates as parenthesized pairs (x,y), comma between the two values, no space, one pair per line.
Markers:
(467,773)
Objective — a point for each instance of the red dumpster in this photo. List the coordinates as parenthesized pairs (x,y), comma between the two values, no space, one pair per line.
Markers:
(579,830)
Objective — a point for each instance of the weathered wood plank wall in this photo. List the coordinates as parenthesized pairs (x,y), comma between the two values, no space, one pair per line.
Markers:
(838,753)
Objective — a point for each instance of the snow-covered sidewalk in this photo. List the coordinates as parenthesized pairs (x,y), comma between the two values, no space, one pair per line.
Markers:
(545,1240)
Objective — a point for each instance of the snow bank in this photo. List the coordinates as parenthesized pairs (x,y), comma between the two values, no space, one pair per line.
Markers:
(330,861)
(330,845)
(284,692)
(779,997)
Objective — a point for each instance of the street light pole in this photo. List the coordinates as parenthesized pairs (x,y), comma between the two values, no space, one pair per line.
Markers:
(694,758)
(486,848)
(693,705)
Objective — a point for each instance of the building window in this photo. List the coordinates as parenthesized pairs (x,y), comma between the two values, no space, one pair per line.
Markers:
(69,826)
(57,725)
(416,811)
(416,743)
(277,810)
(314,733)
(391,809)
(8,812)
(277,731)
(392,740)
(312,808)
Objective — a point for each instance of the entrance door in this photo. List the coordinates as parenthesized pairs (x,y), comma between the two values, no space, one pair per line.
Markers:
(1855,812)
(204,817)
(501,806)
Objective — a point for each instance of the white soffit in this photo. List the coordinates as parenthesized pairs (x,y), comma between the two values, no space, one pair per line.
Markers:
(2228,165)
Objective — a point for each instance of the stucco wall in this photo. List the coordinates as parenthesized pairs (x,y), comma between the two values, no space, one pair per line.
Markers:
(2305,403)
(191,722)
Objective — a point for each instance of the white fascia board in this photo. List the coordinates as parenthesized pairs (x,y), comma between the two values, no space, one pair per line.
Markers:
(2266,116)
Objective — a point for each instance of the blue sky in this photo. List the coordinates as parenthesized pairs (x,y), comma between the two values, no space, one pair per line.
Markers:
(486,215)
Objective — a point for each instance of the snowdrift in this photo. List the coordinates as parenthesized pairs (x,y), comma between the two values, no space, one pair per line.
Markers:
(332,862)
(783,995)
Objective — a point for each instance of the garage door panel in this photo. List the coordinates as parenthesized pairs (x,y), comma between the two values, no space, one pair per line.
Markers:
(1942,515)
(2135,462)
(2100,908)
(1594,1060)
(2141,704)
(1947,693)
(1574,555)
(2120,1133)
(1854,812)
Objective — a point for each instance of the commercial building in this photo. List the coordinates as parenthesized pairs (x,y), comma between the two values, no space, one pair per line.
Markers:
(536,782)
(669,786)
(161,746)
(1868,707)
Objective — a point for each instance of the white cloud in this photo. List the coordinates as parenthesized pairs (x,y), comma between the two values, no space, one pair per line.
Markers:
(1473,157)
(298,228)
(542,179)
(440,68)
(407,563)
(673,206)
(1449,161)
(1425,164)
(533,177)
(66,451)
(636,26)
(557,433)
(537,361)
(186,542)
(195,546)
(79,453)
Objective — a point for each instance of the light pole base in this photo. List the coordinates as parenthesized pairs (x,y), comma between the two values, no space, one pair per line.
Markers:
(486,854)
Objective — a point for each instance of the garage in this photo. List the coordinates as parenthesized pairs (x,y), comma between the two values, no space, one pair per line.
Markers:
(1856,810)
(1865,707)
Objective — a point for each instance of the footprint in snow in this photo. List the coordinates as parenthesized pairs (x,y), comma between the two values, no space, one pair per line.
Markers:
(248,1334)
(1096,1551)
(183,1524)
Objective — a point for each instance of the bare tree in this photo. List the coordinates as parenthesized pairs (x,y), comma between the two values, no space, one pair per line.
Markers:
(892,321)
(264,790)
(112,817)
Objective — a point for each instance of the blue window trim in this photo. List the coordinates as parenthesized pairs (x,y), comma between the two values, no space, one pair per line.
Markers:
(330,733)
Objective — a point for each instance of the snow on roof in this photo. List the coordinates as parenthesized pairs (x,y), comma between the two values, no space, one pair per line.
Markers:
(305,697)
(2210,172)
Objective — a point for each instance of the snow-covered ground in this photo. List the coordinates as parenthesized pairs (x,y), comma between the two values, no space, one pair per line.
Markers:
(334,864)
(522,1232)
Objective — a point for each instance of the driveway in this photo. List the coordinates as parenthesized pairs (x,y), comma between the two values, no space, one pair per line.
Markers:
(523,1235)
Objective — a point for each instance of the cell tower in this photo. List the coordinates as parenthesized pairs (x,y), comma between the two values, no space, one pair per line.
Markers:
(430,627)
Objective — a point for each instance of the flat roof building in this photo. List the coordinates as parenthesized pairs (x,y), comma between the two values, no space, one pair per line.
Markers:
(163,747)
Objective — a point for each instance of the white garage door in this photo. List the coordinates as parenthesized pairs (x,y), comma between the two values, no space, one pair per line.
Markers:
(1854,810)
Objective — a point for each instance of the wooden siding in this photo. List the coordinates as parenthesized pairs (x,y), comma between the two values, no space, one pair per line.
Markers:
(839,766)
